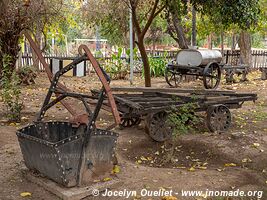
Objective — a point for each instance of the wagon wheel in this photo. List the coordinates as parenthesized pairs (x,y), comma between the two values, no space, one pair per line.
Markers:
(212,76)
(129,122)
(218,118)
(172,77)
(157,126)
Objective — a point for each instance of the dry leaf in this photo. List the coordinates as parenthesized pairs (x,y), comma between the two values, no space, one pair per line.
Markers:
(230,165)
(169,198)
(143,158)
(116,169)
(107,179)
(191,169)
(25,194)
(255,145)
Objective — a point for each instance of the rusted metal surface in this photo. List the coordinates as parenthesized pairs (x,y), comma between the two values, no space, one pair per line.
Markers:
(77,118)
(103,80)
(49,73)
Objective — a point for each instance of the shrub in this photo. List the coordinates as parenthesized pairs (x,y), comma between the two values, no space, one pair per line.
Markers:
(118,68)
(10,91)
(27,75)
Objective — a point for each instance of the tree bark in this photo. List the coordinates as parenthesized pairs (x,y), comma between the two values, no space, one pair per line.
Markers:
(9,47)
(144,57)
(222,42)
(245,48)
(194,31)
(38,39)
(210,41)
(181,38)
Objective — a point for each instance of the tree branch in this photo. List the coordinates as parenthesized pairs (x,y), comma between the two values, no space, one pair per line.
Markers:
(150,19)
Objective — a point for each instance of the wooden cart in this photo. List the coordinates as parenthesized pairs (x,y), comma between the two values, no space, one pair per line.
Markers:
(154,104)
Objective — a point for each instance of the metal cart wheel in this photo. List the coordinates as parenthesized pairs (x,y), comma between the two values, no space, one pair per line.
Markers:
(218,118)
(172,77)
(157,126)
(212,76)
(129,122)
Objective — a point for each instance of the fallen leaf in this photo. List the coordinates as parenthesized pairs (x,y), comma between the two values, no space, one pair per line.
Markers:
(25,194)
(107,179)
(255,145)
(246,160)
(143,158)
(139,161)
(12,124)
(191,169)
(230,165)
(116,169)
(202,167)
(169,198)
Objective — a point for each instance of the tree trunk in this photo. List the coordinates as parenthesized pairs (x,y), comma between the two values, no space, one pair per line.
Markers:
(144,57)
(38,39)
(245,48)
(9,47)
(181,38)
(245,51)
(194,31)
(222,42)
(210,41)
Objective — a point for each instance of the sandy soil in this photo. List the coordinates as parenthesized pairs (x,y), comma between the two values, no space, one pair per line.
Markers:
(198,162)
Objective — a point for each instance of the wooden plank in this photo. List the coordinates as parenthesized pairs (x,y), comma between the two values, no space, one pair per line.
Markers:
(150,99)
(169,90)
(128,102)
(231,100)
(74,193)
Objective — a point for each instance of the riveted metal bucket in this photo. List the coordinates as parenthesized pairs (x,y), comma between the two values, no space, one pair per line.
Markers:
(57,150)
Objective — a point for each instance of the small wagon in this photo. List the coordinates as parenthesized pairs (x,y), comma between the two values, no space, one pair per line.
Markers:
(195,62)
(154,105)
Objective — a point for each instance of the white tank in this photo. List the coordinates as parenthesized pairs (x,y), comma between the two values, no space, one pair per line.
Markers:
(197,57)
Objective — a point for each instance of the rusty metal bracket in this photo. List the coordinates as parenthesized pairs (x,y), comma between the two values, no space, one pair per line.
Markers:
(61,89)
(100,72)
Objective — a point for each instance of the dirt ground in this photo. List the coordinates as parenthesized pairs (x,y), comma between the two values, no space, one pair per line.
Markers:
(201,160)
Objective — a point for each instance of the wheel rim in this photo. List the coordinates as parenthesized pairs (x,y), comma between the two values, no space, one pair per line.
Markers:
(158,128)
(212,76)
(129,122)
(219,118)
(173,78)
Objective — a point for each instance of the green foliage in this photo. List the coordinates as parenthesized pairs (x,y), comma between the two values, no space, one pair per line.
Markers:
(11,91)
(243,13)
(27,75)
(157,66)
(257,40)
(118,67)
(183,118)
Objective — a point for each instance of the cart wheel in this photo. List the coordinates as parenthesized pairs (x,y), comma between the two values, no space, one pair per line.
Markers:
(129,122)
(212,76)
(157,126)
(173,78)
(218,118)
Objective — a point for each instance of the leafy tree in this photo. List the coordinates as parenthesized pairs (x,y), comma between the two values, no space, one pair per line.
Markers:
(17,16)
(143,13)
(175,11)
(243,14)
(112,17)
